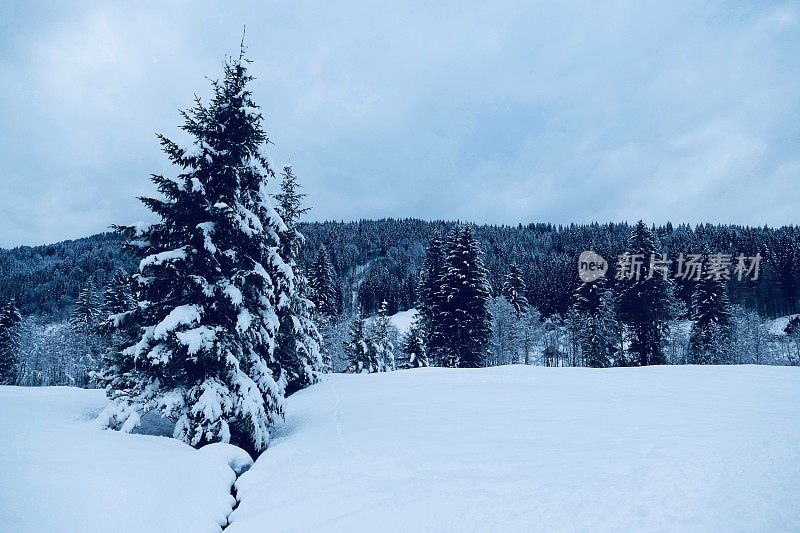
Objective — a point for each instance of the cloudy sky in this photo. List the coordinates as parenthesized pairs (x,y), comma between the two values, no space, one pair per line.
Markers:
(498,112)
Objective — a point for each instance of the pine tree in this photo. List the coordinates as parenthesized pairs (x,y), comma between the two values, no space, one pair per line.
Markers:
(646,302)
(594,321)
(87,312)
(116,334)
(117,299)
(383,337)
(209,283)
(514,289)
(359,349)
(466,293)
(710,338)
(431,304)
(323,284)
(10,323)
(298,344)
(414,346)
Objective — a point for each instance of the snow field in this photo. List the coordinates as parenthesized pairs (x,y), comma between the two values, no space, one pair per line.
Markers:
(60,473)
(511,448)
(530,448)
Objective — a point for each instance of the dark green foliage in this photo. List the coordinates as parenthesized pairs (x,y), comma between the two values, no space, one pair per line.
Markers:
(359,349)
(10,321)
(87,312)
(646,303)
(45,280)
(465,291)
(711,337)
(323,284)
(209,284)
(594,319)
(432,301)
(297,347)
(414,346)
(514,289)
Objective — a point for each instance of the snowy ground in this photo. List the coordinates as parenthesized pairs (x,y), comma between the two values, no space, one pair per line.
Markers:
(60,473)
(526,448)
(502,449)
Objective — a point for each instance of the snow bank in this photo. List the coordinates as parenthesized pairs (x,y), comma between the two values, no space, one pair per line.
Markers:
(60,473)
(525,448)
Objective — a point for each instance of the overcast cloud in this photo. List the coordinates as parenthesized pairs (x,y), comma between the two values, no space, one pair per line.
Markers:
(498,112)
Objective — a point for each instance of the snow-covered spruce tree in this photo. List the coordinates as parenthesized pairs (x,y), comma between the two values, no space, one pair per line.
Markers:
(646,302)
(117,298)
(465,292)
(10,324)
(359,349)
(514,289)
(431,303)
(298,344)
(323,284)
(88,342)
(209,283)
(383,338)
(710,341)
(414,346)
(119,332)
(506,327)
(325,297)
(595,323)
(87,312)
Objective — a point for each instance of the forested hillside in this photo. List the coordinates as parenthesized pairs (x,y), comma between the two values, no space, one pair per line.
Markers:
(546,254)
(381,259)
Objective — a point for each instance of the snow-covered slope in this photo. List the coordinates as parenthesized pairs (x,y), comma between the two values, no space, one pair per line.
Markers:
(778,325)
(402,320)
(59,473)
(524,448)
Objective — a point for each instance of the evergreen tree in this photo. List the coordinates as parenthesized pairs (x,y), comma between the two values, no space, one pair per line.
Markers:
(118,303)
(414,346)
(298,344)
(594,321)
(466,293)
(383,336)
(514,289)
(710,338)
(10,323)
(86,324)
(359,349)
(323,284)
(209,283)
(646,302)
(117,296)
(87,312)
(432,303)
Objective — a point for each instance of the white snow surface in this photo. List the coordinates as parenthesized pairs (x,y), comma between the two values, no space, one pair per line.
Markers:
(778,325)
(60,473)
(502,449)
(534,449)
(402,320)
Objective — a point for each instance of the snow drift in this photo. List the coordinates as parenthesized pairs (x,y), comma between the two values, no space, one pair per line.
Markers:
(60,473)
